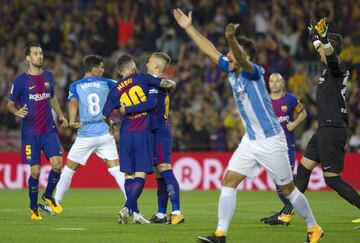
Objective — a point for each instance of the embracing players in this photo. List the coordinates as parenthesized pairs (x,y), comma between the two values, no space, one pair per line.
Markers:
(135,133)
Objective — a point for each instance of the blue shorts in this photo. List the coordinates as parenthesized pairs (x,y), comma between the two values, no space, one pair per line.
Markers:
(136,152)
(291,152)
(162,145)
(32,145)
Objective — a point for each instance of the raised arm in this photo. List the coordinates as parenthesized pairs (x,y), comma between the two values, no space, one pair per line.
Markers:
(239,54)
(185,22)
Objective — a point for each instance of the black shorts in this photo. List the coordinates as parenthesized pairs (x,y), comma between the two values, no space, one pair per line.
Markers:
(327,146)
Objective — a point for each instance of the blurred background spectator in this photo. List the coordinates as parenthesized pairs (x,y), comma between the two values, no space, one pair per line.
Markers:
(203,113)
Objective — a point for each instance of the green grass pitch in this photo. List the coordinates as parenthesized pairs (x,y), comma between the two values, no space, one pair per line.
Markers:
(90,215)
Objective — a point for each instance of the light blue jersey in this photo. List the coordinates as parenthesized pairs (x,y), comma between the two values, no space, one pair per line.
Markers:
(253,101)
(91,94)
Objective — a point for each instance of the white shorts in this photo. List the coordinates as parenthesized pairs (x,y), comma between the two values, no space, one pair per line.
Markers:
(104,147)
(270,153)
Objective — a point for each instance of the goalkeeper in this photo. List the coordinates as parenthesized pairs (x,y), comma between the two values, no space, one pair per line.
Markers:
(327,145)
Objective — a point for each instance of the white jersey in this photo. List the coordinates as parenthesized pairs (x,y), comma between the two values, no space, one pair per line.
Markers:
(253,101)
(91,93)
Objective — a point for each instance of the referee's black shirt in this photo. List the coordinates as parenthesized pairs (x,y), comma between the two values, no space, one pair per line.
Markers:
(330,94)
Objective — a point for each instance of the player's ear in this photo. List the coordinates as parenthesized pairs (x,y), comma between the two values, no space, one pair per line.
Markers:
(28,58)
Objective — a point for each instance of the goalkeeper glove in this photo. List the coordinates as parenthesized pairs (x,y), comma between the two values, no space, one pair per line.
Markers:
(322,29)
(313,34)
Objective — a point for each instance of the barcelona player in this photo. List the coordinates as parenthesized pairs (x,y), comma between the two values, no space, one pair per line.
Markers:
(135,132)
(168,186)
(285,106)
(31,98)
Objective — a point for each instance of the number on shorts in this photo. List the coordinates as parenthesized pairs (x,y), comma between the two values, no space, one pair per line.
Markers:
(28,150)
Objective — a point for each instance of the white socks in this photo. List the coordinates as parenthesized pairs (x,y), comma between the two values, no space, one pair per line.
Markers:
(300,203)
(119,177)
(64,183)
(226,208)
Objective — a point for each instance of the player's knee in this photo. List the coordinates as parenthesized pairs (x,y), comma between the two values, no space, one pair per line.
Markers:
(232,179)
(35,172)
(163,167)
(287,189)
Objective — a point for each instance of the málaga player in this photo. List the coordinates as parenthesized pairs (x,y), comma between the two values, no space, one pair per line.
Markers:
(168,186)
(33,91)
(135,132)
(285,106)
(264,143)
(88,96)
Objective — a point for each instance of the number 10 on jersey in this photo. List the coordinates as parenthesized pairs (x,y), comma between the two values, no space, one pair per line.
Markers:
(134,96)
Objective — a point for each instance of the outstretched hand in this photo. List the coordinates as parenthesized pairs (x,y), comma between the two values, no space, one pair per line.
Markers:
(322,27)
(230,30)
(312,32)
(182,19)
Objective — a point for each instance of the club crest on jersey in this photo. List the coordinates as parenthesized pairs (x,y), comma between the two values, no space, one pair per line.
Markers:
(47,85)
(284,108)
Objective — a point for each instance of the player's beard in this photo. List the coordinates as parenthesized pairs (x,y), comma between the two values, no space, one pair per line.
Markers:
(38,64)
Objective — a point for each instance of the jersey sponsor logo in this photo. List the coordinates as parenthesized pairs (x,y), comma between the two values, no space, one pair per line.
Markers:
(124,83)
(282,119)
(90,85)
(153,91)
(284,108)
(32,87)
(92,122)
(38,97)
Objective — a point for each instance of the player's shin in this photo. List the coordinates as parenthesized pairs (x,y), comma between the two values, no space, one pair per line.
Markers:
(300,203)
(33,192)
(53,179)
(64,183)
(119,178)
(162,196)
(173,189)
(226,208)
(302,178)
(137,187)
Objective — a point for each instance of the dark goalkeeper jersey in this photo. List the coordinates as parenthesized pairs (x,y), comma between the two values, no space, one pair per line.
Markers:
(330,94)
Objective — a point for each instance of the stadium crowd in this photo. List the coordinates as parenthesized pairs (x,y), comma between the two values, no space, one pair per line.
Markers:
(203,112)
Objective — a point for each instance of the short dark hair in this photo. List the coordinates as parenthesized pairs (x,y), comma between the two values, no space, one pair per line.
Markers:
(248,45)
(91,61)
(165,57)
(336,41)
(28,47)
(123,62)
